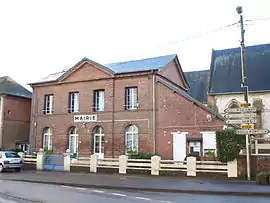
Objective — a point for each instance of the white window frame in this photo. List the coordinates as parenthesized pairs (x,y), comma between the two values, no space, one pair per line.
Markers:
(48,104)
(76,144)
(47,138)
(74,102)
(131,98)
(99,100)
(134,134)
(195,144)
(99,133)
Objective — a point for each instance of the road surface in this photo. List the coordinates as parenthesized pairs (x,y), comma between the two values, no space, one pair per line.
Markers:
(21,192)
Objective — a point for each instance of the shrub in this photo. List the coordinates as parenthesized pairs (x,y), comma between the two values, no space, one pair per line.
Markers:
(229,145)
(140,155)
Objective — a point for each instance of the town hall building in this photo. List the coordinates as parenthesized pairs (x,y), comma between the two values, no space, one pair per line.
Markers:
(113,109)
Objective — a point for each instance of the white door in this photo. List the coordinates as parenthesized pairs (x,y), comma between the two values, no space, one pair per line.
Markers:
(179,146)
(99,143)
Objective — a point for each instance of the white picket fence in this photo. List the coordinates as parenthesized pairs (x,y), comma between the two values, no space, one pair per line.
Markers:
(155,165)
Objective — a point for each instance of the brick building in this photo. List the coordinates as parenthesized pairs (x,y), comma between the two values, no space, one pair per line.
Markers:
(15,107)
(111,109)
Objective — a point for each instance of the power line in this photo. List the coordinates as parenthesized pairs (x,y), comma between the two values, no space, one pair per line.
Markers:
(258,19)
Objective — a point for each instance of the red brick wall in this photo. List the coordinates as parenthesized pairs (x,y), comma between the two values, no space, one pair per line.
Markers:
(258,164)
(61,120)
(16,120)
(171,71)
(176,113)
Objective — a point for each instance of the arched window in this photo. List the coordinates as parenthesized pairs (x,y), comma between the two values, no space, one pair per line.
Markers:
(131,138)
(73,139)
(233,104)
(99,139)
(47,138)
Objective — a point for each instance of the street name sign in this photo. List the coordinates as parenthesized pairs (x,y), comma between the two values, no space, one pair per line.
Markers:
(247,126)
(241,110)
(252,132)
(241,121)
(245,105)
(242,115)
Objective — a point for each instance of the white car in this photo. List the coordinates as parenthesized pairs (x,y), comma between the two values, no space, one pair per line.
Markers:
(10,160)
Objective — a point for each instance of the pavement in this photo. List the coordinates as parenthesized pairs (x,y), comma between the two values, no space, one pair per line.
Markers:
(23,192)
(141,183)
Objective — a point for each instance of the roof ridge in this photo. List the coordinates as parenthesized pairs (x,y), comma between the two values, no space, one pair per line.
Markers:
(251,46)
(122,62)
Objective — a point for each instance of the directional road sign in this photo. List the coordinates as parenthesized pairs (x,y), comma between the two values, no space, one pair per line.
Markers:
(242,115)
(241,110)
(241,121)
(252,132)
(245,105)
(247,126)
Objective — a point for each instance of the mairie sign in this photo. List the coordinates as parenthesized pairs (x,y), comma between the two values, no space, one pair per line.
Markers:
(85,118)
(241,110)
(252,132)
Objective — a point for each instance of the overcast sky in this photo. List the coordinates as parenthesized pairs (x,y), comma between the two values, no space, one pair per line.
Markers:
(41,37)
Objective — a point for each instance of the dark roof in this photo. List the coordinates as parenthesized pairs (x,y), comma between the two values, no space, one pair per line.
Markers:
(198,82)
(10,87)
(140,65)
(187,96)
(225,71)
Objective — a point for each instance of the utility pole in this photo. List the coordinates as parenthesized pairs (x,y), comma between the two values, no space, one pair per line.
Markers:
(244,84)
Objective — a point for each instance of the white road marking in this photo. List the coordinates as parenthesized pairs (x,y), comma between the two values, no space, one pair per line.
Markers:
(118,194)
(143,198)
(65,186)
(80,188)
(98,191)
(2,200)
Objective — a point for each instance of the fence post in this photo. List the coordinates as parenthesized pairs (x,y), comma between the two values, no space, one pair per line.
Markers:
(123,164)
(191,166)
(93,163)
(40,160)
(232,169)
(67,161)
(155,165)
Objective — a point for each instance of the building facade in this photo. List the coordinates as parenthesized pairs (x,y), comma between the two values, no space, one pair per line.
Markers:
(113,109)
(225,81)
(15,108)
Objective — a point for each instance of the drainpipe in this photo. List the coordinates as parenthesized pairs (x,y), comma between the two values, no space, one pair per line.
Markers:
(154,111)
(1,119)
(113,98)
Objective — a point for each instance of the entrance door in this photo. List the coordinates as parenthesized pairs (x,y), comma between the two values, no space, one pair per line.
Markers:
(99,138)
(179,146)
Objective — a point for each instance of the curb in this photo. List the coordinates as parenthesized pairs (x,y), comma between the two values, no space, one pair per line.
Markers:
(111,187)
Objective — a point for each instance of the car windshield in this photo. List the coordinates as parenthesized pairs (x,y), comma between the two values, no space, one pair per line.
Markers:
(12,155)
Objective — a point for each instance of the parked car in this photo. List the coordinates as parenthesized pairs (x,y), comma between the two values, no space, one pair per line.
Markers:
(10,160)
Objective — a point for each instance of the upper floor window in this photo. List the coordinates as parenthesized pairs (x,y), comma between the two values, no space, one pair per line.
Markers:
(99,100)
(73,102)
(48,104)
(131,98)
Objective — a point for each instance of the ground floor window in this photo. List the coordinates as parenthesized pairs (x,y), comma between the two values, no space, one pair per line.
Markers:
(131,139)
(195,148)
(99,139)
(73,140)
(47,138)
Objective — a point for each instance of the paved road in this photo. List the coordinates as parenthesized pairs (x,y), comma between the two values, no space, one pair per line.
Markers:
(21,192)
(147,183)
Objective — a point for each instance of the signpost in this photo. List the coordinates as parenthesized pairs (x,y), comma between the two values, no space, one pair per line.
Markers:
(241,121)
(240,110)
(242,115)
(252,132)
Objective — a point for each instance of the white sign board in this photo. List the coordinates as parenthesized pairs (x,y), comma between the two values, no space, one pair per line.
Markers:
(241,110)
(85,118)
(252,132)
(242,115)
(241,121)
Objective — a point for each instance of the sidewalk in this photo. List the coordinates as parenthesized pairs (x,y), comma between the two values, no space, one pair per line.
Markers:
(145,183)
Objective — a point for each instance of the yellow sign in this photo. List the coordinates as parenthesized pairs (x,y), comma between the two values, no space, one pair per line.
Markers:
(245,105)
(246,126)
